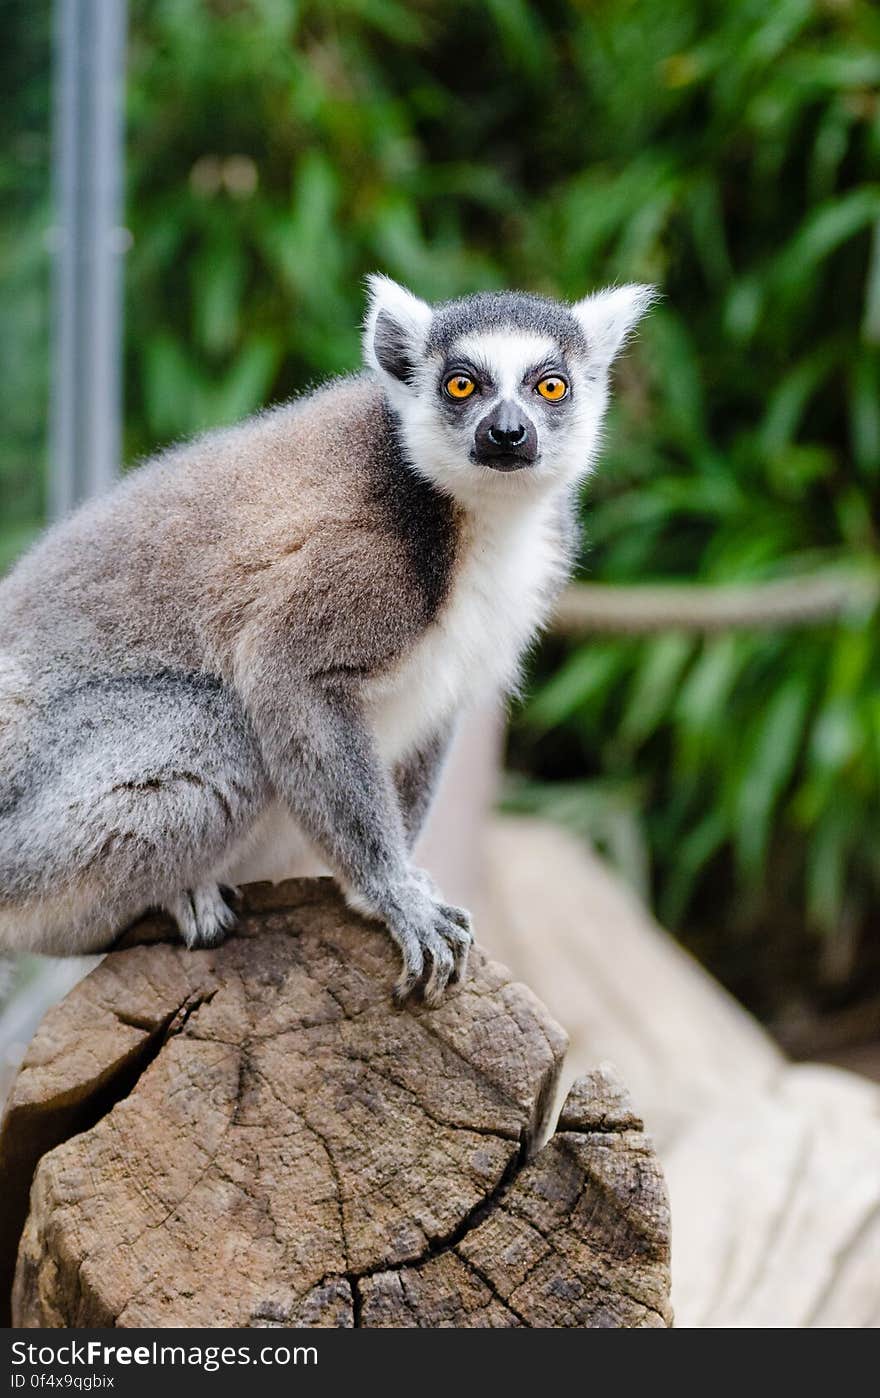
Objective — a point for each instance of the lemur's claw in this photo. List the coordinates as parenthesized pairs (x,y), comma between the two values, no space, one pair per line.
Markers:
(205,916)
(404,989)
(232,897)
(435,954)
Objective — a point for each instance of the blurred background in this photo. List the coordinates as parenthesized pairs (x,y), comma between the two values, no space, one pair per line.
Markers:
(276,150)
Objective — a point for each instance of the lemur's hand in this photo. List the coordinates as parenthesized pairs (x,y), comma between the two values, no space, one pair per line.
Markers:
(434,940)
(434,937)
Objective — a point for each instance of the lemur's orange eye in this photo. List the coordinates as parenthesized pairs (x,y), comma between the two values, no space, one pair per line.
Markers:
(553,388)
(459,386)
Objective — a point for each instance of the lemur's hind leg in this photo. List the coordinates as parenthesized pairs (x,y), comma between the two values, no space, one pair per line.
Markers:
(143,787)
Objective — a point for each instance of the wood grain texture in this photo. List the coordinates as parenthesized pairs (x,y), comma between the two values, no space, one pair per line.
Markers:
(772,1167)
(255,1136)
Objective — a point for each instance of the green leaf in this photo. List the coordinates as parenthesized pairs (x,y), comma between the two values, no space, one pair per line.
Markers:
(864,412)
(693,854)
(173,393)
(826,868)
(656,681)
(584,675)
(824,229)
(218,286)
(792,395)
(871,317)
(522,34)
(768,762)
(246,384)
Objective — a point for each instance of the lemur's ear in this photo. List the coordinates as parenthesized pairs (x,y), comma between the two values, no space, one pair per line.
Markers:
(608,317)
(395,328)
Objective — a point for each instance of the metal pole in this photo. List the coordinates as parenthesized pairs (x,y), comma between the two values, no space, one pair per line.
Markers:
(89,242)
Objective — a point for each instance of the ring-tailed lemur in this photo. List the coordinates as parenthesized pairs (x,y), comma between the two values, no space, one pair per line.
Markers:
(245,660)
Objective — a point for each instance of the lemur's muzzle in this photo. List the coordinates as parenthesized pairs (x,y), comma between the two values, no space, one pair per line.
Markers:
(506,439)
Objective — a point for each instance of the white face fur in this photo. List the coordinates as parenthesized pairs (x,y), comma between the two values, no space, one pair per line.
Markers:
(501,392)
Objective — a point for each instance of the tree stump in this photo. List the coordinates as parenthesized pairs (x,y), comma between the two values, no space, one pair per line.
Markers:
(255,1136)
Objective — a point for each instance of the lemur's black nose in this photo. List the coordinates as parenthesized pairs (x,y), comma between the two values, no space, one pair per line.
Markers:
(506,438)
(506,427)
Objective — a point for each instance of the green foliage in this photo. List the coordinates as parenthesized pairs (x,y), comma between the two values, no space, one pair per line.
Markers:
(280,149)
(24,269)
(746,444)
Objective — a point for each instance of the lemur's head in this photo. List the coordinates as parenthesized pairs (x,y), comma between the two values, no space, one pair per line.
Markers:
(499,387)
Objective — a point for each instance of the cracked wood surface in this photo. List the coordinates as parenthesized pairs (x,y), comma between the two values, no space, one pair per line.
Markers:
(254,1136)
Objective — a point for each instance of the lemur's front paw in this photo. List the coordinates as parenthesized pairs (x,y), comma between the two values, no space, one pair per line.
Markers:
(204,915)
(434,940)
